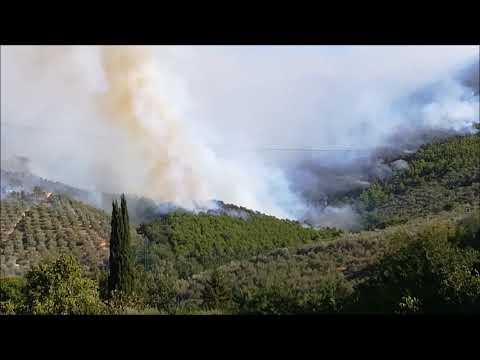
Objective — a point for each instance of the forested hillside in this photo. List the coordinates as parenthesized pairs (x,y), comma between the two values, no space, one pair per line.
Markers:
(324,277)
(195,241)
(441,176)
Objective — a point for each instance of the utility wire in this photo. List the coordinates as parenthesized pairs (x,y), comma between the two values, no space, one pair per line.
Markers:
(220,147)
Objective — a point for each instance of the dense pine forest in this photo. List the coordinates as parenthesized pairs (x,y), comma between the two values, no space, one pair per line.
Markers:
(195,242)
(418,251)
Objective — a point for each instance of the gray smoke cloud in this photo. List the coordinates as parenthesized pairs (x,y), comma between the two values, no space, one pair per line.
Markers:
(181,124)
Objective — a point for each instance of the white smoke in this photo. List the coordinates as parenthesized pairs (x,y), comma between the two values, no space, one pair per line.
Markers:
(453,107)
(343,217)
(176,123)
(104,118)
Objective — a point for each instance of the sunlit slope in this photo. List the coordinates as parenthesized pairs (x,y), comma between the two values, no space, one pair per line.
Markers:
(196,241)
(441,176)
(34,227)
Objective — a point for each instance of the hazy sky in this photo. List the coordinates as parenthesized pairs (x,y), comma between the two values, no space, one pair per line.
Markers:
(230,96)
(297,95)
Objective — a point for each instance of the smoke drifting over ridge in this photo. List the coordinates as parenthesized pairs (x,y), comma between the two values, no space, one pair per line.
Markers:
(100,115)
(142,120)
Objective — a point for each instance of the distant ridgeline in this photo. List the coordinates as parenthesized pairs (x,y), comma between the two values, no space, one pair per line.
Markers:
(140,208)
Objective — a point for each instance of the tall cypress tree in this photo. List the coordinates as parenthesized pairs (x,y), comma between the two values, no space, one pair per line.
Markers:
(114,264)
(121,277)
(127,274)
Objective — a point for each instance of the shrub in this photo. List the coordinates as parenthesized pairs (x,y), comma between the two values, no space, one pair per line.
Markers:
(326,296)
(59,287)
(429,273)
(11,295)
(216,293)
(120,303)
(409,305)
(468,232)
(162,288)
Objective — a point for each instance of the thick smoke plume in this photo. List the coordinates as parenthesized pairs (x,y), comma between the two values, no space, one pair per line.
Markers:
(188,125)
(106,120)
(174,161)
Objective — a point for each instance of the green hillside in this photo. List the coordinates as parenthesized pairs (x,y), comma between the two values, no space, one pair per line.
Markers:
(424,207)
(420,252)
(196,241)
(36,226)
(285,280)
(441,176)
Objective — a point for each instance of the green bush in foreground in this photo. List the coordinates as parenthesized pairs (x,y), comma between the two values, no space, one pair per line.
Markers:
(326,296)
(468,233)
(427,274)
(59,288)
(162,288)
(11,295)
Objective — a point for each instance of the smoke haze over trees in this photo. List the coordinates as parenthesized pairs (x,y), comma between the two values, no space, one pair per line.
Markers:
(190,117)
